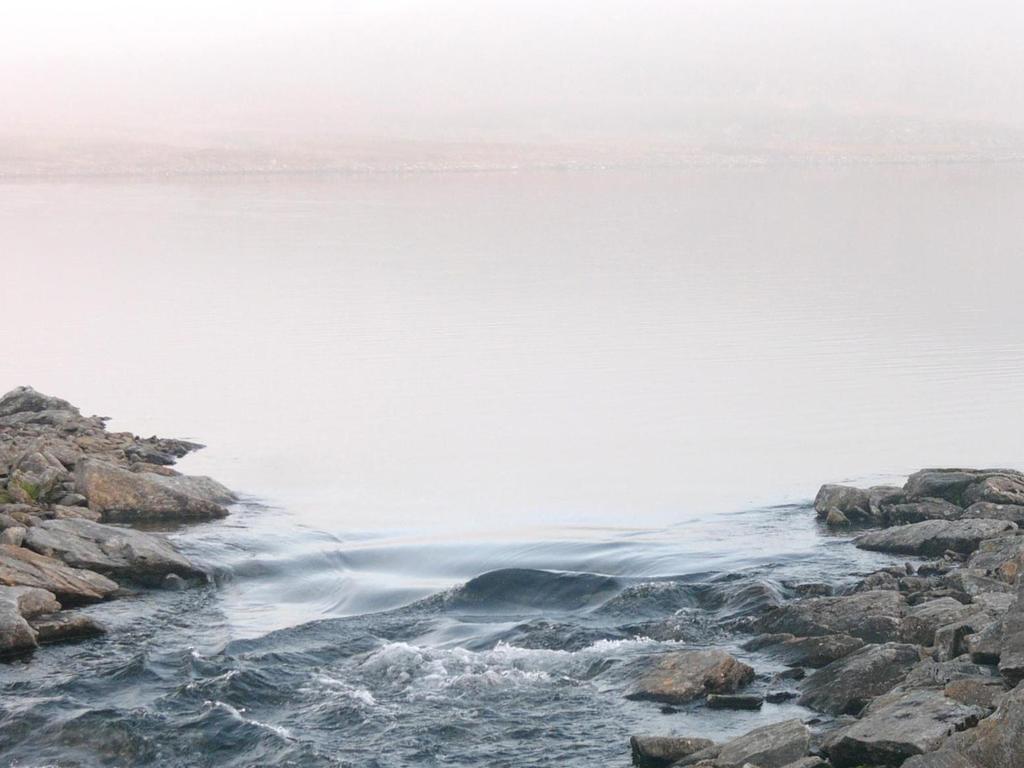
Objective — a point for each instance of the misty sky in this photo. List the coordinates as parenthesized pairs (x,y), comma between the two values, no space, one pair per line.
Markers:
(521,70)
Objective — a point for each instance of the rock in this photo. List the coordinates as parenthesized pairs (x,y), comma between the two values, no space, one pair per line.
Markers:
(73,500)
(22,567)
(950,640)
(119,552)
(14,536)
(940,760)
(733,701)
(817,651)
(975,582)
(17,604)
(852,503)
(899,725)
(996,489)
(771,746)
(947,484)
(878,580)
(985,692)
(918,511)
(1011,646)
(660,751)
(778,697)
(1001,558)
(847,685)
(921,621)
(934,537)
(811,761)
(61,512)
(938,674)
(119,494)
(985,645)
(836,519)
(681,676)
(989,511)
(27,400)
(996,741)
(874,616)
(64,626)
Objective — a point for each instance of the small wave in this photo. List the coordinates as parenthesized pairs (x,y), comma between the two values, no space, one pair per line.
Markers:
(526,588)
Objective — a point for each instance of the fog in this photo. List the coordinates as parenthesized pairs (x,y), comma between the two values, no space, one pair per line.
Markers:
(648,70)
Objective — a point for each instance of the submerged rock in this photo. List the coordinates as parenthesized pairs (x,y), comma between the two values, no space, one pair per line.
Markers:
(846,686)
(934,537)
(898,726)
(122,495)
(106,549)
(661,751)
(682,676)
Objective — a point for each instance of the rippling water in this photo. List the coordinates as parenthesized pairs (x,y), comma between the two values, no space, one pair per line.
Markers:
(500,435)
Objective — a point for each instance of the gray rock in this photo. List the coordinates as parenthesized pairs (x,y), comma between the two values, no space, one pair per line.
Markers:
(1001,558)
(996,489)
(682,676)
(817,651)
(14,536)
(17,604)
(734,701)
(996,741)
(940,760)
(918,511)
(846,686)
(122,495)
(22,567)
(950,640)
(874,617)
(898,726)
(65,626)
(660,751)
(771,746)
(921,621)
(989,511)
(984,691)
(27,400)
(113,551)
(937,674)
(934,537)
(948,484)
(836,519)
(985,645)
(1011,647)
(853,503)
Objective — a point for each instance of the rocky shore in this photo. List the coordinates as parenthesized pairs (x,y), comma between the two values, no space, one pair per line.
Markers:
(917,665)
(69,493)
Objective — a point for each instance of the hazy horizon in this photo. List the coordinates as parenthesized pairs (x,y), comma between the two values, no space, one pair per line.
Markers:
(791,74)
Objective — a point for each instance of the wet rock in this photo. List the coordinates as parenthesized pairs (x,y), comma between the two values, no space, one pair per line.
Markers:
(898,726)
(921,621)
(847,685)
(874,616)
(918,511)
(660,751)
(733,701)
(22,567)
(836,519)
(816,651)
(771,746)
(64,627)
(778,697)
(119,552)
(1011,646)
(686,675)
(989,511)
(122,495)
(934,537)
(17,604)
(852,503)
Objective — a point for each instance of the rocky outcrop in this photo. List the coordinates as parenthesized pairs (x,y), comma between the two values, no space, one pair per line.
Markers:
(934,537)
(122,495)
(117,552)
(661,751)
(22,567)
(898,726)
(846,686)
(873,616)
(682,676)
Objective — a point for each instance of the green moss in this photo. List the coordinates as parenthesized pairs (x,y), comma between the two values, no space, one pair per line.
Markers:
(30,489)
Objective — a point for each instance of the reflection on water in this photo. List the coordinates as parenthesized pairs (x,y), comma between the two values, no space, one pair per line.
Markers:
(540,347)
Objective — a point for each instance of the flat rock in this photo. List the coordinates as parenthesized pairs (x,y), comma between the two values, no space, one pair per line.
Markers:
(990,511)
(921,621)
(846,686)
(771,746)
(996,741)
(874,616)
(1001,558)
(65,626)
(947,484)
(918,511)
(122,495)
(686,675)
(934,537)
(898,726)
(734,701)
(816,651)
(22,567)
(660,751)
(106,549)
(983,691)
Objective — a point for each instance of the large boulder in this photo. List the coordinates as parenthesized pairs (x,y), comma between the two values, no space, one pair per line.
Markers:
(847,685)
(661,751)
(853,503)
(27,400)
(770,746)
(900,725)
(22,567)
(1001,558)
(918,511)
(815,652)
(686,675)
(934,537)
(873,616)
(122,495)
(997,489)
(948,484)
(921,621)
(989,511)
(106,549)
(17,604)
(1011,652)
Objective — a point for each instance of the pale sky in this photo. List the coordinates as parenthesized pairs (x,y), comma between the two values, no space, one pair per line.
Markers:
(497,69)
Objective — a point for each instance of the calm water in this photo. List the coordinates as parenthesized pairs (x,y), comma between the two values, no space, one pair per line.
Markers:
(417,380)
